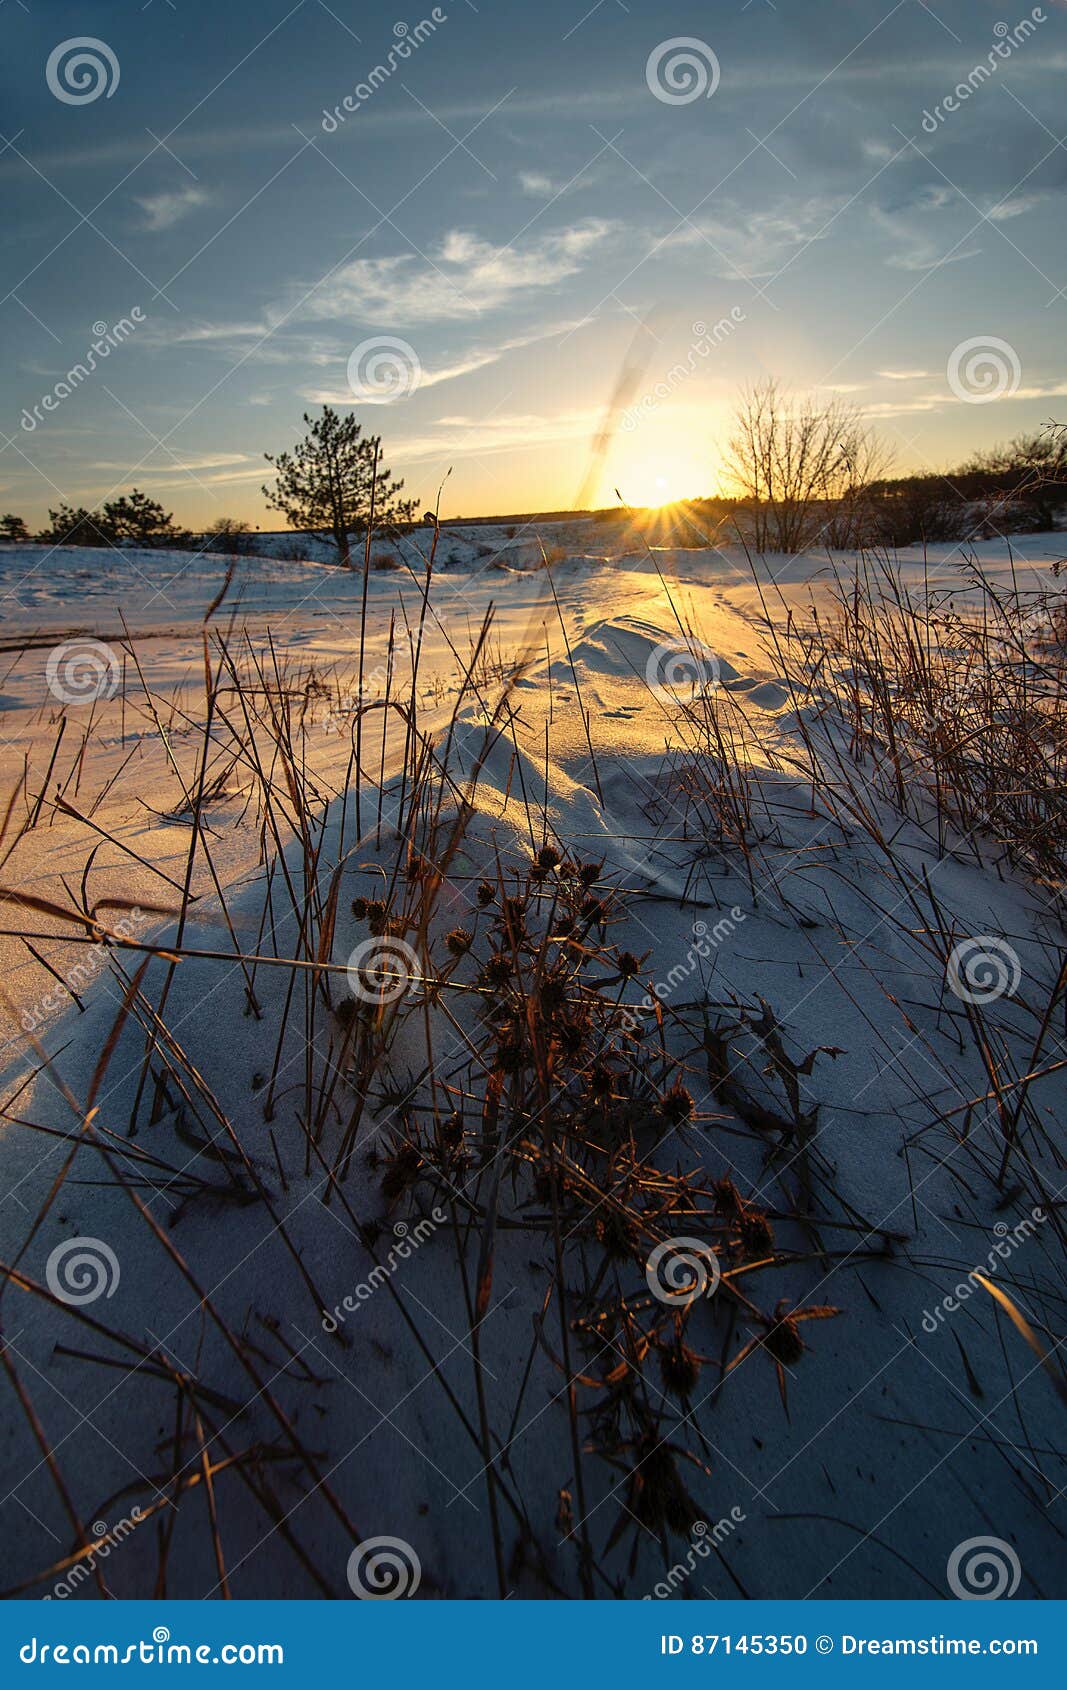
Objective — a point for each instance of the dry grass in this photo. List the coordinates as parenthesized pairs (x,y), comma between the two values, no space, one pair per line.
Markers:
(507,1086)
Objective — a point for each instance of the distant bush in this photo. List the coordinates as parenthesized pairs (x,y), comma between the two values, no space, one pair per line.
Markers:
(228,535)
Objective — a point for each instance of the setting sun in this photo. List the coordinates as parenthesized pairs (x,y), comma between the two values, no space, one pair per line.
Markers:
(661,478)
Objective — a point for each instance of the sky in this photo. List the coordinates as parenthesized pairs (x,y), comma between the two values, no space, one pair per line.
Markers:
(541,246)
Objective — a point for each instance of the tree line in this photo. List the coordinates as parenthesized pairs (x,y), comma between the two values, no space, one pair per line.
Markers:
(811,473)
(332,484)
(806,473)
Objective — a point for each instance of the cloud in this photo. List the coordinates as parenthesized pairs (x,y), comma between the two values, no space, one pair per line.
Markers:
(536,185)
(752,244)
(164,477)
(463,277)
(162,211)
(1003,210)
(940,401)
(169,463)
(267,341)
(186,333)
(903,375)
(462,436)
(916,248)
(476,358)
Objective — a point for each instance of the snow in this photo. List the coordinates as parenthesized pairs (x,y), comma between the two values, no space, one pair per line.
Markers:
(900,1441)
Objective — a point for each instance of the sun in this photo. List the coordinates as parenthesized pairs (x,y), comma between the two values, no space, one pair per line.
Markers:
(662,478)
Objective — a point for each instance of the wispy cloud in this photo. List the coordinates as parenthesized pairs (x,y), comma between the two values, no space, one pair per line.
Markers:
(162,211)
(190,332)
(916,250)
(463,276)
(464,436)
(210,460)
(537,185)
(477,357)
(743,243)
(1004,210)
(938,401)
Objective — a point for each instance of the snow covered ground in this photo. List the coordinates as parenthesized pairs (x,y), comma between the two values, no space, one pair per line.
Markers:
(811,961)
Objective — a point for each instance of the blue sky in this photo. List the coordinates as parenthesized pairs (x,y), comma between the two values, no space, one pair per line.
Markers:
(529,226)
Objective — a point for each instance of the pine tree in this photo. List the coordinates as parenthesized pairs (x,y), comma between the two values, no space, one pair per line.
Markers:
(140,521)
(327,482)
(134,520)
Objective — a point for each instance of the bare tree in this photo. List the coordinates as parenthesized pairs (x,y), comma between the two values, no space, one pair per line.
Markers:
(804,465)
